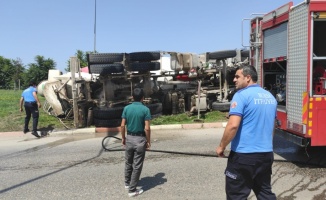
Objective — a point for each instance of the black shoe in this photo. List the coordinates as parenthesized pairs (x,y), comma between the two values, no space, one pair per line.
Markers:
(44,134)
(35,134)
(26,131)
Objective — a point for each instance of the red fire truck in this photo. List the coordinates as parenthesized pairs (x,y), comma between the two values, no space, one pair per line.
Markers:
(288,49)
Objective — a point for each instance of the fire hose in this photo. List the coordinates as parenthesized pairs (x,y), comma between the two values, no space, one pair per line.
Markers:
(106,148)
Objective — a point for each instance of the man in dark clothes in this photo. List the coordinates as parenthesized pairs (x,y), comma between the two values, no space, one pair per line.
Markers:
(31,103)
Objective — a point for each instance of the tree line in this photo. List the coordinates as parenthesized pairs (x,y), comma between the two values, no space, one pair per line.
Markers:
(14,74)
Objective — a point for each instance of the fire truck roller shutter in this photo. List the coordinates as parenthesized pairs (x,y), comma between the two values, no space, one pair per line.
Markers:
(144,66)
(144,56)
(219,55)
(104,58)
(110,123)
(107,113)
(105,69)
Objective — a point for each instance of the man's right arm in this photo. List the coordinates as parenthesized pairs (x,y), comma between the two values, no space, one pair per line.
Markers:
(21,102)
(229,133)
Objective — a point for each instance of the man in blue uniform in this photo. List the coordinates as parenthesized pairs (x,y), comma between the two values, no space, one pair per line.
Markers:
(31,103)
(137,118)
(250,130)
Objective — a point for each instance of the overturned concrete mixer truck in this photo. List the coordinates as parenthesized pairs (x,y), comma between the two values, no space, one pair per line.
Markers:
(172,82)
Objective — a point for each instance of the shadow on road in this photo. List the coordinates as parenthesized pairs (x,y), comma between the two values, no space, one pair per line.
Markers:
(150,182)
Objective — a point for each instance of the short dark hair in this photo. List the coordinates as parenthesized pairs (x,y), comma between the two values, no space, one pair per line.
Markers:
(32,83)
(138,94)
(249,70)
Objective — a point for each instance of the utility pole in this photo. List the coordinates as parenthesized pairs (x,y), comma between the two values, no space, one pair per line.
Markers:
(95,29)
(74,65)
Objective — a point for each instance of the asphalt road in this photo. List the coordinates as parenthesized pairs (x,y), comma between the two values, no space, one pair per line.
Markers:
(77,167)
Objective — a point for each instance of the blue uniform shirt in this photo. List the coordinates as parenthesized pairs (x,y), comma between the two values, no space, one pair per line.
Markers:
(258,108)
(28,94)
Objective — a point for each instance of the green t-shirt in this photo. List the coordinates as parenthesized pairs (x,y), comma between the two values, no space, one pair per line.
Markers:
(136,114)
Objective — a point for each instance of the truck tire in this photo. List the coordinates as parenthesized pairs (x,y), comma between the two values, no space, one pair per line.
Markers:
(144,66)
(144,56)
(155,108)
(105,69)
(107,113)
(107,122)
(104,58)
(219,106)
(219,55)
(244,53)
(156,115)
(167,103)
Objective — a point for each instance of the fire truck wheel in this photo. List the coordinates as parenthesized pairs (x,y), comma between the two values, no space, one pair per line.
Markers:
(219,55)
(145,66)
(144,56)
(107,113)
(155,108)
(105,69)
(217,106)
(104,58)
(107,122)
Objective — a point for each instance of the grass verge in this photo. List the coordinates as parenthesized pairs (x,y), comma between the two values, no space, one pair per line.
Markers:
(13,120)
(213,116)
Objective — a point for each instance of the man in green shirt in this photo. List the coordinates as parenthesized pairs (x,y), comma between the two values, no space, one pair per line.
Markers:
(136,117)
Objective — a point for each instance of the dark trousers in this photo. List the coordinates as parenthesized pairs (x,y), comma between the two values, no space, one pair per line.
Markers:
(134,159)
(31,109)
(249,171)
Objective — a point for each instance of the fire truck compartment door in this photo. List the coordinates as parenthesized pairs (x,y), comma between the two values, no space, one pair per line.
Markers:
(275,41)
(318,135)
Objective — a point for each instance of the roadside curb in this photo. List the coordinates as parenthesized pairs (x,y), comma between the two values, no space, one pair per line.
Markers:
(74,131)
(117,129)
(168,127)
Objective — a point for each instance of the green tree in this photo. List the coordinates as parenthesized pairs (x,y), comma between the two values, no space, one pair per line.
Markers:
(39,70)
(82,56)
(6,71)
(19,70)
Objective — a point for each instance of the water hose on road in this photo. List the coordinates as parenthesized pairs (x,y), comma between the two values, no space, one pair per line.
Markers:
(106,148)
(105,142)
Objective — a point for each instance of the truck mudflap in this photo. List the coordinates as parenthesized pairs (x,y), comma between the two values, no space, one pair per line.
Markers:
(301,141)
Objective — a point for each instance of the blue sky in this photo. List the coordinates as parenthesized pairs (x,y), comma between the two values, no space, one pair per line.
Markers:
(56,29)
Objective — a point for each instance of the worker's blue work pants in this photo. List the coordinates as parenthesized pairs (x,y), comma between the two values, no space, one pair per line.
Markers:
(249,171)
(31,109)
